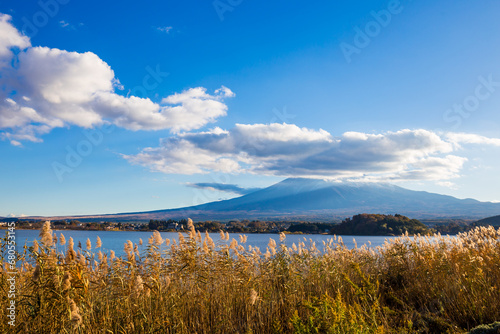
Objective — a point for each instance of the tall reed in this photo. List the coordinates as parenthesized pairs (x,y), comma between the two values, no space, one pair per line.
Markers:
(202,285)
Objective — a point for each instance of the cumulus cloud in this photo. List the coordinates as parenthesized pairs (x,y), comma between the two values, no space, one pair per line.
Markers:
(44,88)
(10,38)
(470,138)
(230,188)
(287,150)
(243,147)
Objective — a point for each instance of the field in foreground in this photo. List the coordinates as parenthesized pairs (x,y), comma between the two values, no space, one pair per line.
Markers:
(196,285)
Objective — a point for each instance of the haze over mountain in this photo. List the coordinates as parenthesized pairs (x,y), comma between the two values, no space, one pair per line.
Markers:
(313,199)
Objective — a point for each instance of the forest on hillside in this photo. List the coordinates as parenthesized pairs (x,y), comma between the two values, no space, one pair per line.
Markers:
(377,224)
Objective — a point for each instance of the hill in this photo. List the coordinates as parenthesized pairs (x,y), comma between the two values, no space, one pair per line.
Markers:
(375,224)
(494,221)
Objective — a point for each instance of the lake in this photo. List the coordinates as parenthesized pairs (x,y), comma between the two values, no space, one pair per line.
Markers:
(114,240)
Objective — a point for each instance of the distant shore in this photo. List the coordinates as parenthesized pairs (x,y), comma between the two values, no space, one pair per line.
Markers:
(362,224)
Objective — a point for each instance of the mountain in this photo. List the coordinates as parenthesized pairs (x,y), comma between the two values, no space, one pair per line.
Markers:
(311,199)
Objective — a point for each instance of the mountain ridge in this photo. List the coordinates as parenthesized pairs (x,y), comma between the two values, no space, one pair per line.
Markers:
(314,199)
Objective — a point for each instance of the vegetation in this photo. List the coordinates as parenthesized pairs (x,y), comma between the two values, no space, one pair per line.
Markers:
(166,225)
(493,328)
(310,228)
(198,285)
(374,224)
(454,227)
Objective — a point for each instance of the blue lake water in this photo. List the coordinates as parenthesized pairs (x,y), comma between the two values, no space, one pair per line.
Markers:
(114,240)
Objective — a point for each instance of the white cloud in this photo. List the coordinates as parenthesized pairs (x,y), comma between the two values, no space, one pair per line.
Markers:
(194,108)
(287,150)
(447,184)
(433,168)
(63,24)
(470,138)
(49,88)
(164,29)
(179,156)
(280,133)
(10,38)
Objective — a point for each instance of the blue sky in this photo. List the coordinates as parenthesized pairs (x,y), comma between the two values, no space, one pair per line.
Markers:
(178,97)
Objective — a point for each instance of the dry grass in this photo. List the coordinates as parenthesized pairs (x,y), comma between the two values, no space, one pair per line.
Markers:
(198,285)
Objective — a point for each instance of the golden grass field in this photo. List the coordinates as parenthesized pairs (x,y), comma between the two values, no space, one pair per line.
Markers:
(199,285)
